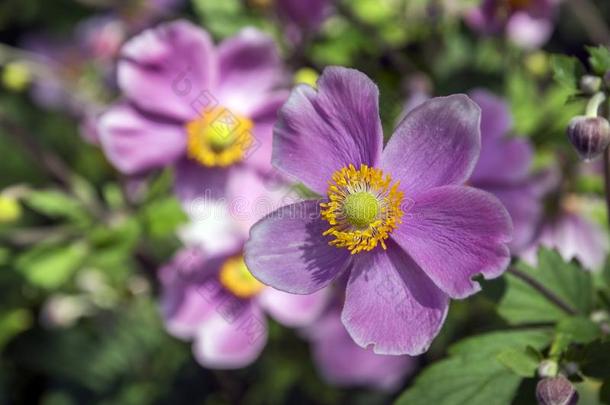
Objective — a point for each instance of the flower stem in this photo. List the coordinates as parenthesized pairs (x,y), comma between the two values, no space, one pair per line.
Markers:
(594,103)
(543,290)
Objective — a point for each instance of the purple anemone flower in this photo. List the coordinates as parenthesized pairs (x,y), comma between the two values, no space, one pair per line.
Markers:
(215,301)
(527,23)
(208,111)
(574,237)
(398,221)
(505,169)
(343,363)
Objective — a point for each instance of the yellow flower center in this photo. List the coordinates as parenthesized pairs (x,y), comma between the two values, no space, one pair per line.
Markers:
(235,277)
(219,138)
(363,208)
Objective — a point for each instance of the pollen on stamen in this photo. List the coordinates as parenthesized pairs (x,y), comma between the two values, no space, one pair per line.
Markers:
(363,208)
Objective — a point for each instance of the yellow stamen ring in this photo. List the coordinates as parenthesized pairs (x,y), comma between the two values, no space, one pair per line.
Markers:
(235,277)
(363,208)
(218,137)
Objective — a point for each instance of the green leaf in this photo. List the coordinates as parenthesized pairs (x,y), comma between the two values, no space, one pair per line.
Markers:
(599,59)
(566,71)
(55,204)
(472,374)
(51,266)
(579,329)
(162,217)
(522,303)
(521,362)
(12,322)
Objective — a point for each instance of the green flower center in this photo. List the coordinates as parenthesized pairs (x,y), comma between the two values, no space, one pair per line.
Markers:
(220,136)
(361,209)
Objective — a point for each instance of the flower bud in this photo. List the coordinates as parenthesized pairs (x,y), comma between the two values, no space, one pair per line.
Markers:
(548,368)
(590,136)
(556,391)
(590,84)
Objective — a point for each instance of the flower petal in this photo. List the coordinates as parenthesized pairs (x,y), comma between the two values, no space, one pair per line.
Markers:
(342,362)
(233,337)
(291,309)
(528,31)
(496,119)
(264,118)
(164,70)
(135,143)
(454,233)
(249,68)
(318,133)
(437,144)
(391,304)
(287,251)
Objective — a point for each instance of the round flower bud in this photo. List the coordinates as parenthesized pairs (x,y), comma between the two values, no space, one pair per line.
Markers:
(590,84)
(556,391)
(548,368)
(590,136)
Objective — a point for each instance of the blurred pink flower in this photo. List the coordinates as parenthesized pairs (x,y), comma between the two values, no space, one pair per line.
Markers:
(207,111)
(342,362)
(527,23)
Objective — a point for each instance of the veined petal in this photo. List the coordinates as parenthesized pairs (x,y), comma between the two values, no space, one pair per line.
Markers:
(437,143)
(454,233)
(391,304)
(287,250)
(319,132)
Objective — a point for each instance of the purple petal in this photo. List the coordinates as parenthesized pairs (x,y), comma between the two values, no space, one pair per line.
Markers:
(233,337)
(496,119)
(525,208)
(344,363)
(455,233)
(391,304)
(291,309)
(189,293)
(437,144)
(164,70)
(249,68)
(318,133)
(195,181)
(264,118)
(287,251)
(306,15)
(135,143)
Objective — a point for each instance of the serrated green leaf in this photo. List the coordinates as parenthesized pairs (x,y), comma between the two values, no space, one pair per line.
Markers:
(566,70)
(599,59)
(521,362)
(523,303)
(472,374)
(579,329)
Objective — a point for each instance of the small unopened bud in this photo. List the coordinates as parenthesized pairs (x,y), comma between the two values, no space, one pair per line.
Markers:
(556,391)
(548,368)
(590,84)
(590,136)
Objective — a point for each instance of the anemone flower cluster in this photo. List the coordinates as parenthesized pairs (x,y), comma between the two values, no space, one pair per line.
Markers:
(398,222)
